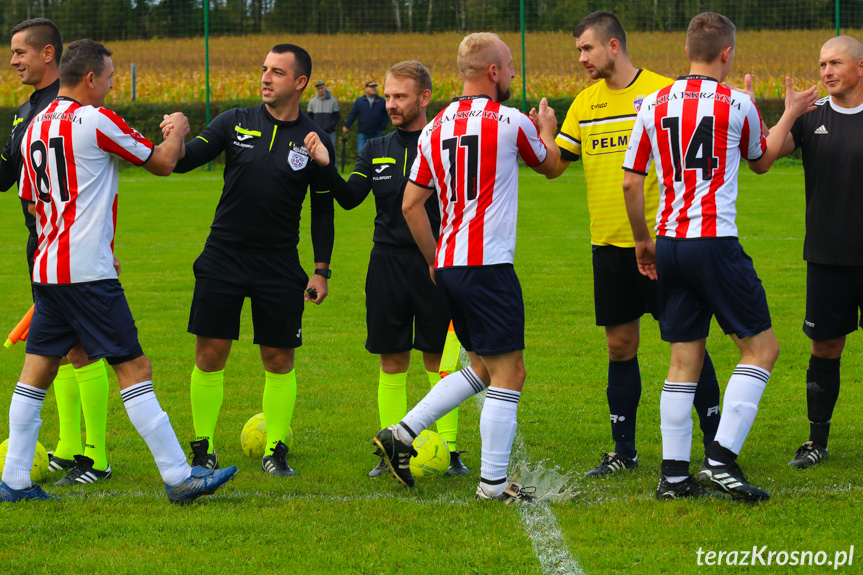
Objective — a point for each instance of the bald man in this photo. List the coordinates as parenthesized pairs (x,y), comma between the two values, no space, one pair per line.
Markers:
(832,154)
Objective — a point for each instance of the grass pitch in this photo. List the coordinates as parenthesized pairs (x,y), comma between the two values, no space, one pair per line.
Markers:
(332,518)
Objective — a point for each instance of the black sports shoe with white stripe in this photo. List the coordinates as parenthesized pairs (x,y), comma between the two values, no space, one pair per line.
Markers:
(613,463)
(729,479)
(277,463)
(686,489)
(396,454)
(83,473)
(809,454)
(200,457)
(57,463)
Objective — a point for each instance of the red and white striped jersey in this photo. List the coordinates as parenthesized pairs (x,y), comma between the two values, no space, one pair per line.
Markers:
(696,130)
(71,171)
(469,155)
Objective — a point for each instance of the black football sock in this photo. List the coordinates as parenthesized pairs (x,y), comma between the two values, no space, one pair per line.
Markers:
(624,393)
(707,400)
(822,391)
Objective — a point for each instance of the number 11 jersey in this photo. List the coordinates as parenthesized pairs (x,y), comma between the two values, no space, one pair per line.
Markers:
(469,155)
(696,131)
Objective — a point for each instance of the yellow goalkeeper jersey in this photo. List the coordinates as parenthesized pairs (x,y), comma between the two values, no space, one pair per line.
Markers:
(597,129)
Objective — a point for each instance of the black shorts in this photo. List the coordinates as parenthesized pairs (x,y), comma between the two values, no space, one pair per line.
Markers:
(95,314)
(487,307)
(404,308)
(834,300)
(700,278)
(225,277)
(621,294)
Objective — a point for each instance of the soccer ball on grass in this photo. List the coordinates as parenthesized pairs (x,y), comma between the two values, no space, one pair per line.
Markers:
(40,461)
(432,457)
(253,438)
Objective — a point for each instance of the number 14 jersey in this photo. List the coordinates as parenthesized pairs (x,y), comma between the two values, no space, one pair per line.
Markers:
(696,131)
(71,171)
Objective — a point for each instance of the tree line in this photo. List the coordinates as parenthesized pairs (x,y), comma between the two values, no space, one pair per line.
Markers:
(143,19)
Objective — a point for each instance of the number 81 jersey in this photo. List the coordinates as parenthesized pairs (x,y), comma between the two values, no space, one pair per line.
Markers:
(469,155)
(696,132)
(71,172)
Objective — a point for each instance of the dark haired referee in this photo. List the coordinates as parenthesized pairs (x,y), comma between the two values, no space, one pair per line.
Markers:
(252,249)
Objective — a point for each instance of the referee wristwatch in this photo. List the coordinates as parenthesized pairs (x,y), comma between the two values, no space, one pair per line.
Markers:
(326,272)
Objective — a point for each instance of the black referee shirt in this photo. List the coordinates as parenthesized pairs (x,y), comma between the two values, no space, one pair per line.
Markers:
(383,167)
(10,160)
(832,155)
(267,173)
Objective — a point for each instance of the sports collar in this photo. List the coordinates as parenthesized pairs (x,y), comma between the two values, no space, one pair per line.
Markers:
(698,77)
(462,98)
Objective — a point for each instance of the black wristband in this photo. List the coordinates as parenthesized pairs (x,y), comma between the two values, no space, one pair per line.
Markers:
(326,272)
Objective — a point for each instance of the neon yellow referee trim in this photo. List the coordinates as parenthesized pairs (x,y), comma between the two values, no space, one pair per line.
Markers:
(383,160)
(359,174)
(203,138)
(405,166)
(17,121)
(273,138)
(247,132)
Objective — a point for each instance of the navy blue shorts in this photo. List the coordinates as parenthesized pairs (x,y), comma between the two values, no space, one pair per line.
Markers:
(834,300)
(705,277)
(95,314)
(225,277)
(404,308)
(487,307)
(621,294)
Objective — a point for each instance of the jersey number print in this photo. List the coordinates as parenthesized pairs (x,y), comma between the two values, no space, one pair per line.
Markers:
(471,144)
(39,159)
(699,151)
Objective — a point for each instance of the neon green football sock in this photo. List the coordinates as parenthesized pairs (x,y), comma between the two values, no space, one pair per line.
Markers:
(93,383)
(280,396)
(69,412)
(392,397)
(447,425)
(206,390)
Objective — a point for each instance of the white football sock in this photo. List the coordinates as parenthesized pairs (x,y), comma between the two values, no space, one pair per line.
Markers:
(24,424)
(497,425)
(740,405)
(446,395)
(675,416)
(154,426)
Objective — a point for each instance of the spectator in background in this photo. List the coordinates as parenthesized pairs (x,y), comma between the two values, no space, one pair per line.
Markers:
(370,111)
(323,110)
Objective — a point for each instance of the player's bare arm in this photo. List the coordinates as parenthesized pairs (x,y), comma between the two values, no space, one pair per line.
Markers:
(562,165)
(546,123)
(317,150)
(645,248)
(168,153)
(780,142)
(413,208)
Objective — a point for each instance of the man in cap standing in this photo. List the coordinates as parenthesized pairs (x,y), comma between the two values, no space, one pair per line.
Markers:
(370,112)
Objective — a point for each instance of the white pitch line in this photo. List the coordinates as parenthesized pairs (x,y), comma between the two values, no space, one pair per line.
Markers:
(539,521)
(541,526)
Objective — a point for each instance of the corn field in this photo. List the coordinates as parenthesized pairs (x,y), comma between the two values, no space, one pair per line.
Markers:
(172,70)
